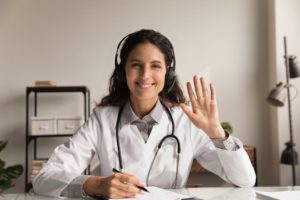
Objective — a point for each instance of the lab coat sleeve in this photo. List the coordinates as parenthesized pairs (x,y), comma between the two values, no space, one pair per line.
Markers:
(74,189)
(68,160)
(232,166)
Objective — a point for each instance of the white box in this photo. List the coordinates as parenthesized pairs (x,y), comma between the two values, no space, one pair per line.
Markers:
(43,126)
(68,125)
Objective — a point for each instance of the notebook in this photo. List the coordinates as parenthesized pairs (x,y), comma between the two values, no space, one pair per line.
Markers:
(156,193)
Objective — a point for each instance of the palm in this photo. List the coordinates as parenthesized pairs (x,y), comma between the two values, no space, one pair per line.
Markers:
(204,112)
(204,116)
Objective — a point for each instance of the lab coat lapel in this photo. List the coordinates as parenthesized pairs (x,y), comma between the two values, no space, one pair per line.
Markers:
(131,143)
(159,131)
(164,165)
(132,147)
(138,155)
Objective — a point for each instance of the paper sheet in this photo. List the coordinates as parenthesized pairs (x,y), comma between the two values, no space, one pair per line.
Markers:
(156,193)
(281,195)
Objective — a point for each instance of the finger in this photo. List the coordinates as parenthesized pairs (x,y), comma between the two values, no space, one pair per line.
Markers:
(117,194)
(197,88)
(129,178)
(128,190)
(204,91)
(131,182)
(187,110)
(212,92)
(191,95)
(125,186)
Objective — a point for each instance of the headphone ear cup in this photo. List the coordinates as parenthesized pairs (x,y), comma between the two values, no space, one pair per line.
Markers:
(120,74)
(170,79)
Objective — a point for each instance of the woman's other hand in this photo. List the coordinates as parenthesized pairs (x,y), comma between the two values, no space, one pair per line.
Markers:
(119,185)
(204,113)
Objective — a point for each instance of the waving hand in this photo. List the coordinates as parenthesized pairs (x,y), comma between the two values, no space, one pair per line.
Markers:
(204,113)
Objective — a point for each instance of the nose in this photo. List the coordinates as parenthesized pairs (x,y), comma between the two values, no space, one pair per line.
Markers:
(145,72)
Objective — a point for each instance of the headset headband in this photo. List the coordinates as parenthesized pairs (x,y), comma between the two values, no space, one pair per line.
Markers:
(173,60)
(116,56)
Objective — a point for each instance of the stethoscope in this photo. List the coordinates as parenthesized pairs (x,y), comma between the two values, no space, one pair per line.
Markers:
(172,136)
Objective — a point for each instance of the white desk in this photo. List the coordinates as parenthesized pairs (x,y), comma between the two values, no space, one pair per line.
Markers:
(231,193)
(211,193)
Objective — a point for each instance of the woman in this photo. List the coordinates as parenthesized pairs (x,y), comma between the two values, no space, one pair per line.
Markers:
(144,128)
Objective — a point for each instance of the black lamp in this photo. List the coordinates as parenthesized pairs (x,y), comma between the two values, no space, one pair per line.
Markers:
(277,97)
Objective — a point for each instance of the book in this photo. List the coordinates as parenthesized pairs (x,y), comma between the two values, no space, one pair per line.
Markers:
(38,162)
(45,83)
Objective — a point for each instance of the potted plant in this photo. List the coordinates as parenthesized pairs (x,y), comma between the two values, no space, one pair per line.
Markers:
(227,127)
(7,174)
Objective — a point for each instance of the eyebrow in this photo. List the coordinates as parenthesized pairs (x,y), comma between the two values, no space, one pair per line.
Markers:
(156,61)
(134,60)
(137,60)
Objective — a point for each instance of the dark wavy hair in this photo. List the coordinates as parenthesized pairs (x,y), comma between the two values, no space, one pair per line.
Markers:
(118,88)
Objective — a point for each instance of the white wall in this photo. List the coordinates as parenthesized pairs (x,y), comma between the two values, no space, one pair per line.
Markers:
(73,42)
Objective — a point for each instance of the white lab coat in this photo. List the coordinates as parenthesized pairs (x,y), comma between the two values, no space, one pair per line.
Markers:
(98,136)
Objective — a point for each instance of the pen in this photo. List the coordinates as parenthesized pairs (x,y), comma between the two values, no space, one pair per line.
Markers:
(140,187)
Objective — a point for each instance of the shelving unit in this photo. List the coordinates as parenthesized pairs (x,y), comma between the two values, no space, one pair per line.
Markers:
(33,138)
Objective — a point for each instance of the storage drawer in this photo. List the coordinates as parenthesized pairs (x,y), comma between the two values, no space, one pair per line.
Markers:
(43,126)
(69,125)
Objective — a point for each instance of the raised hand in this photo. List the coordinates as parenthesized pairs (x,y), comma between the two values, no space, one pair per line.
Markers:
(204,113)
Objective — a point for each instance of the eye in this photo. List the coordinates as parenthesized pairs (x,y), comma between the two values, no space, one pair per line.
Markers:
(156,66)
(136,65)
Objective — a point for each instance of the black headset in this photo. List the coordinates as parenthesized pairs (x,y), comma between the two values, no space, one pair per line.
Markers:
(170,77)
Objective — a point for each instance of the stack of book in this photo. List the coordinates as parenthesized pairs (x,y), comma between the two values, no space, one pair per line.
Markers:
(45,83)
(36,167)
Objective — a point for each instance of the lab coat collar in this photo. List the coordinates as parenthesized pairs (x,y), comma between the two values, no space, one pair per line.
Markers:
(128,116)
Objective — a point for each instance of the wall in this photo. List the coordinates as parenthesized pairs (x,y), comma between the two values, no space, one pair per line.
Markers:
(73,42)
(287,24)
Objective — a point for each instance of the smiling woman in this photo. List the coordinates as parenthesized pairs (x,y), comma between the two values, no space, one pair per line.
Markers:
(145,129)
(145,76)
(157,54)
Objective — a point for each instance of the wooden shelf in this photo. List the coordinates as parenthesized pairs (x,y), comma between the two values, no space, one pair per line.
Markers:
(32,139)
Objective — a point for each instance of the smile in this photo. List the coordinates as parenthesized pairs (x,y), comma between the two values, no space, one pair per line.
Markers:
(144,85)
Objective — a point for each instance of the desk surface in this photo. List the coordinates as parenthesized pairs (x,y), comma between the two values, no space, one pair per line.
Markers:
(206,193)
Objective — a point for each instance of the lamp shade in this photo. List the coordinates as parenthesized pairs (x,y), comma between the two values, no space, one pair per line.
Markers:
(277,95)
(294,69)
(288,153)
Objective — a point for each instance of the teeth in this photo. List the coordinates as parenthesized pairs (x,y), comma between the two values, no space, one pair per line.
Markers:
(145,85)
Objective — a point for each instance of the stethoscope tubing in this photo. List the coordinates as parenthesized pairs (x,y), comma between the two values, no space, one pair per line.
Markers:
(173,136)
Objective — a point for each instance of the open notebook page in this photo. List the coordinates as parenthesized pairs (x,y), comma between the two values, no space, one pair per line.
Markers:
(156,193)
